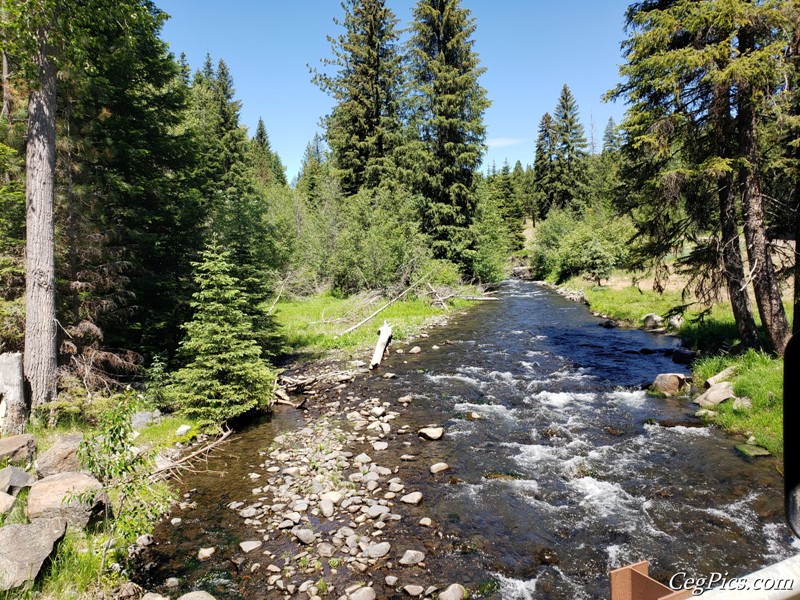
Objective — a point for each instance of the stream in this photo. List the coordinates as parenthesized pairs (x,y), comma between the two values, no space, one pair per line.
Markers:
(561,467)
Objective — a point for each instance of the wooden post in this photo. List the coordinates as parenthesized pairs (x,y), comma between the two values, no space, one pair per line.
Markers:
(384,337)
(634,583)
(13,408)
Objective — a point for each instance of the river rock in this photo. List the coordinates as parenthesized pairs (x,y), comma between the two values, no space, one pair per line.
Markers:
(376,510)
(412,557)
(364,593)
(326,550)
(652,320)
(378,446)
(716,394)
(205,553)
(431,433)
(415,350)
(362,459)
(412,498)
(154,596)
(305,535)
(250,545)
(6,503)
(143,418)
(18,449)
(752,451)
(683,356)
(326,507)
(182,430)
(13,479)
(675,322)
(24,548)
(61,457)
(378,550)
(197,596)
(390,580)
(439,467)
(454,592)
(53,496)
(670,384)
(334,497)
(414,590)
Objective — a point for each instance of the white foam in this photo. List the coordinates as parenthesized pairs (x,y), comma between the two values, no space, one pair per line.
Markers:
(503,377)
(494,410)
(739,513)
(655,428)
(616,557)
(561,399)
(776,534)
(634,399)
(460,378)
(516,589)
(603,497)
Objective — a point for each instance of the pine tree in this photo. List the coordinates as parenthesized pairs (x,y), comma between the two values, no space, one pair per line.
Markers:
(611,137)
(544,168)
(449,123)
(364,128)
(267,164)
(568,184)
(224,375)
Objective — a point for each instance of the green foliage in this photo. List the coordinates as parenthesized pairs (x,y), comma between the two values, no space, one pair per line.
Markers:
(225,374)
(592,244)
(492,240)
(380,245)
(109,455)
(447,115)
(759,377)
(364,128)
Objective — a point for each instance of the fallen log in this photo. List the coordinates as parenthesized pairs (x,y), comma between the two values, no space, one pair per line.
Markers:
(721,376)
(384,337)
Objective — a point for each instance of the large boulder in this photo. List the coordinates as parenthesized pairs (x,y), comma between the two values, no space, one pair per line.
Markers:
(670,384)
(6,503)
(18,449)
(716,394)
(61,457)
(56,496)
(13,479)
(652,321)
(24,549)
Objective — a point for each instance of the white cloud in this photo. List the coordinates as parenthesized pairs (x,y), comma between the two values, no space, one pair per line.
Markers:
(504,142)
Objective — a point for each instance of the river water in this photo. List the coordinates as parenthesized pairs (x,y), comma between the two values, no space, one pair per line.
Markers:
(570,471)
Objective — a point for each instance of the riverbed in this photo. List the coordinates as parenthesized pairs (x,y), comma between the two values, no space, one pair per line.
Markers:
(561,468)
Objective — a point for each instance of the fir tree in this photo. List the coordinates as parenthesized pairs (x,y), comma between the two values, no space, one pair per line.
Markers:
(224,375)
(450,105)
(544,167)
(364,128)
(568,183)
(611,137)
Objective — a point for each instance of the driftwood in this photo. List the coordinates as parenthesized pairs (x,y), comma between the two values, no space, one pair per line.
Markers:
(12,394)
(183,463)
(721,376)
(390,302)
(384,337)
(481,298)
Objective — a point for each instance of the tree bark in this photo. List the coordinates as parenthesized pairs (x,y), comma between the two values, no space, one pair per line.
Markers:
(40,290)
(13,409)
(5,113)
(731,254)
(765,281)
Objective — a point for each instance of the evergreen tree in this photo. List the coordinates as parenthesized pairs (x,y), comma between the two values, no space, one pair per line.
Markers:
(510,209)
(267,164)
(225,375)
(568,184)
(544,168)
(450,106)
(611,137)
(364,128)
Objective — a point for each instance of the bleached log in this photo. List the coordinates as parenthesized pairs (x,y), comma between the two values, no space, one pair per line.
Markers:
(13,408)
(721,376)
(384,337)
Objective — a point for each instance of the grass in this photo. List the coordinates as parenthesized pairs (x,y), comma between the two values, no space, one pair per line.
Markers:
(312,325)
(759,376)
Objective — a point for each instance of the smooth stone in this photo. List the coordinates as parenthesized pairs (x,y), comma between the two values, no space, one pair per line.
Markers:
(425,522)
(154,596)
(173,582)
(415,350)
(408,457)
(326,550)
(431,433)
(670,384)
(752,450)
(454,592)
(305,535)
(326,507)
(206,553)
(334,497)
(250,546)
(379,550)
(414,590)
(412,498)
(362,459)
(378,411)
(54,496)
(364,593)
(197,596)
(378,446)
(716,394)
(376,510)
(390,580)
(182,430)
(439,467)
(389,376)
(412,557)
(652,320)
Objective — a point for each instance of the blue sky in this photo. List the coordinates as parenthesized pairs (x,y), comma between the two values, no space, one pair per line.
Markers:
(530,48)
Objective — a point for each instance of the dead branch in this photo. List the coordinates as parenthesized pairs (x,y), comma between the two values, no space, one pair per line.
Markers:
(164,472)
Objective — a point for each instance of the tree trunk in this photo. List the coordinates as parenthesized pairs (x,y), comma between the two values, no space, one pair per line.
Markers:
(765,281)
(13,409)
(40,290)
(5,113)
(731,254)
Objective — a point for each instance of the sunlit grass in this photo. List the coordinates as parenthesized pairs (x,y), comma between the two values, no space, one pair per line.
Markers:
(315,324)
